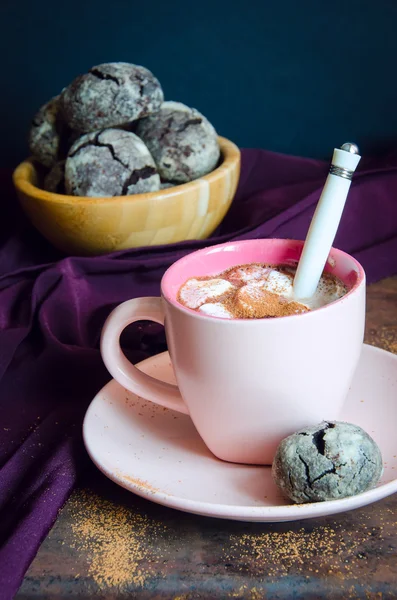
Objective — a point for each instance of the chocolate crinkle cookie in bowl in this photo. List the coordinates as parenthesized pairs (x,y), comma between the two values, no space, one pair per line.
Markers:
(47,133)
(109,95)
(54,181)
(111,162)
(182,141)
(108,144)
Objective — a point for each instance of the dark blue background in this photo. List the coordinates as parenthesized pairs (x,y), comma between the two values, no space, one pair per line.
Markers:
(293,76)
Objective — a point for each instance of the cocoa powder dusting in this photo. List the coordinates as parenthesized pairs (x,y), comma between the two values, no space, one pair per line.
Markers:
(128,552)
(383,337)
(266,305)
(144,485)
(115,540)
(333,550)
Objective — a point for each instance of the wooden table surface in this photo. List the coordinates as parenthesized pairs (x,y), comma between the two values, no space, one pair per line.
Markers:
(108,543)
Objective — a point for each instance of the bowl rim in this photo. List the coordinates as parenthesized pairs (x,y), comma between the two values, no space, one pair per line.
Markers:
(22,176)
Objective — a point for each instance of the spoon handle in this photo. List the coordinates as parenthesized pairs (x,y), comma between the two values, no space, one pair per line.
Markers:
(325,221)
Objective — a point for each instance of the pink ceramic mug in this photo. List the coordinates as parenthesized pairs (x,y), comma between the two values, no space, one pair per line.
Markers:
(247,383)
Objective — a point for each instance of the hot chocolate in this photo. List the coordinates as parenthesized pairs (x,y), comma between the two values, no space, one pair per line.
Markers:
(255,291)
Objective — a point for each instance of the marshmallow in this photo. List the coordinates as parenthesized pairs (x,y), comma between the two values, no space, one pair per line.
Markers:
(250,296)
(247,273)
(215,309)
(196,292)
(254,300)
(279,283)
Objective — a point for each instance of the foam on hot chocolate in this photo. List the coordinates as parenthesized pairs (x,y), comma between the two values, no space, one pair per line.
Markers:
(255,291)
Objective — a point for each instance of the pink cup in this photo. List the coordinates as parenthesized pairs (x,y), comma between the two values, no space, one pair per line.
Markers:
(247,383)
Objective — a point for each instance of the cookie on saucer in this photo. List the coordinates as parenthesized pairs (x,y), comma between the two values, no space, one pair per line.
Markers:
(330,461)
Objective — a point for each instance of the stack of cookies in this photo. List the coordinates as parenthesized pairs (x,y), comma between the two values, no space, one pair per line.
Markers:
(110,133)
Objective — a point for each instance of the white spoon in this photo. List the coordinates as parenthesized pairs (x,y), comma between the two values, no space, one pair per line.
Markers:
(325,221)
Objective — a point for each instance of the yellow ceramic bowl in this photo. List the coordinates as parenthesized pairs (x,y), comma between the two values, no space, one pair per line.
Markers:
(89,226)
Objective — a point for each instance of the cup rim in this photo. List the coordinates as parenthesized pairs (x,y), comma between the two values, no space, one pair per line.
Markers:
(216,247)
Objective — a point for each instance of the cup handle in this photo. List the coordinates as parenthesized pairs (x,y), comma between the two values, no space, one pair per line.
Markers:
(119,366)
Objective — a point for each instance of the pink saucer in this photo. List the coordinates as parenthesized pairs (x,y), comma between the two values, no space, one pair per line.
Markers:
(157,453)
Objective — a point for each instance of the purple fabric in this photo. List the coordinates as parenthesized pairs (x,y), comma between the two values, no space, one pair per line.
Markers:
(52,309)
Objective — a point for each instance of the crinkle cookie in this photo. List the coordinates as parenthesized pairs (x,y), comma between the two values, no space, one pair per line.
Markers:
(182,142)
(54,181)
(333,460)
(111,162)
(110,95)
(46,132)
